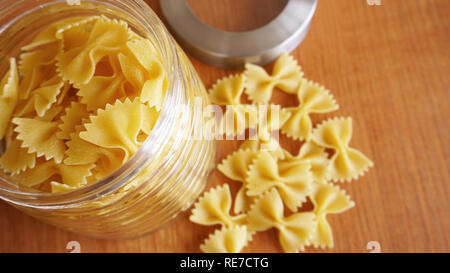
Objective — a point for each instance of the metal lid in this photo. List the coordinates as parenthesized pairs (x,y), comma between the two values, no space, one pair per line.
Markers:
(233,49)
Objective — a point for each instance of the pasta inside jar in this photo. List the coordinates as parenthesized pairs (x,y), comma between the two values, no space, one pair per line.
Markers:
(98,118)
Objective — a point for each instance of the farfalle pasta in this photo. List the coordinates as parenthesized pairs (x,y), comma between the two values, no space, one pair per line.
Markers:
(83,97)
(236,167)
(286,75)
(293,181)
(272,177)
(213,208)
(227,91)
(77,63)
(39,136)
(295,230)
(9,90)
(313,98)
(327,198)
(226,240)
(313,155)
(346,163)
(117,126)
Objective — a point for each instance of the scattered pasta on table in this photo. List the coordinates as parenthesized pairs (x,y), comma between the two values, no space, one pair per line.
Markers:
(273,182)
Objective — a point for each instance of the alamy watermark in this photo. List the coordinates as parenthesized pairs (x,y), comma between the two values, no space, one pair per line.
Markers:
(233,122)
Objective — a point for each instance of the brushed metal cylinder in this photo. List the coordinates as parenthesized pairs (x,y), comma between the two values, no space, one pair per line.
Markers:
(231,50)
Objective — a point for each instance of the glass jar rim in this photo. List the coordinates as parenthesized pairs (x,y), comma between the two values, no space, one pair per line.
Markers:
(145,16)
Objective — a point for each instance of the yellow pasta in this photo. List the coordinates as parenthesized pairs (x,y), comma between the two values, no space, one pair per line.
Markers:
(8,96)
(73,176)
(226,240)
(80,152)
(117,126)
(272,177)
(214,208)
(228,90)
(313,98)
(101,90)
(40,137)
(144,71)
(293,181)
(74,116)
(346,163)
(295,231)
(41,99)
(313,155)
(236,167)
(52,33)
(327,199)
(37,67)
(77,62)
(88,96)
(286,75)
(16,159)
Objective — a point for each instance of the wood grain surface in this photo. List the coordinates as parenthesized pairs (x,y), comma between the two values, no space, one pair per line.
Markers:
(388,68)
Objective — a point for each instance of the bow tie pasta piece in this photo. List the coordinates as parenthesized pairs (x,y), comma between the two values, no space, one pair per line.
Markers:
(41,99)
(16,159)
(45,55)
(327,198)
(39,137)
(77,64)
(286,75)
(214,208)
(9,89)
(101,90)
(347,163)
(313,155)
(144,52)
(149,82)
(37,67)
(77,32)
(51,33)
(117,126)
(236,166)
(295,231)
(228,90)
(74,116)
(313,99)
(226,240)
(238,118)
(81,152)
(242,201)
(73,176)
(293,182)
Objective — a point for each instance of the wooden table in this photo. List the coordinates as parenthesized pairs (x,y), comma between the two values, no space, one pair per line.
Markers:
(388,68)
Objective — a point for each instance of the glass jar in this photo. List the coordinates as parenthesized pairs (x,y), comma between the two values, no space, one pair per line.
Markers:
(170,169)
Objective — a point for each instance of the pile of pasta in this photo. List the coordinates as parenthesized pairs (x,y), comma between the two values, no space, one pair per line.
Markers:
(274,182)
(80,101)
